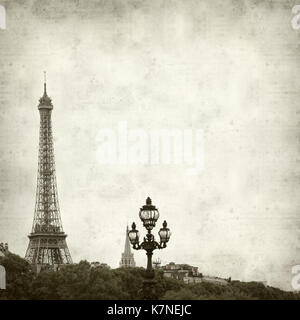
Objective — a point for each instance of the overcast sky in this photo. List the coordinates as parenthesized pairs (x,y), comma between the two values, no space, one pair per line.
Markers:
(229,68)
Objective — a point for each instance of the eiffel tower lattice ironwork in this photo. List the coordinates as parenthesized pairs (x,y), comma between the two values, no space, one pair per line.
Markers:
(47,240)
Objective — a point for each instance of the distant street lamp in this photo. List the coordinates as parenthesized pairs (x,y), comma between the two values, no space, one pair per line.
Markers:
(149,216)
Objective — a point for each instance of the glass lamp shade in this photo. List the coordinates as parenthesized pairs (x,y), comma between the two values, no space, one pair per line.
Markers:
(164,233)
(134,235)
(149,215)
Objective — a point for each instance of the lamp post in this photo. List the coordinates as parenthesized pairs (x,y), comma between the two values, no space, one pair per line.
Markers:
(149,216)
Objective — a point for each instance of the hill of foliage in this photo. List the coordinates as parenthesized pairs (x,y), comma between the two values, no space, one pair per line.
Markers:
(90,281)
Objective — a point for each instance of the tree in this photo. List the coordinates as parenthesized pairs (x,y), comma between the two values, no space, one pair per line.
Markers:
(19,277)
(95,281)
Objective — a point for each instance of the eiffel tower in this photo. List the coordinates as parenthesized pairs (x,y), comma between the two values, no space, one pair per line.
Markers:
(47,247)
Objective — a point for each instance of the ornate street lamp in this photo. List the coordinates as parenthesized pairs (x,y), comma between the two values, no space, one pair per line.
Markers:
(149,216)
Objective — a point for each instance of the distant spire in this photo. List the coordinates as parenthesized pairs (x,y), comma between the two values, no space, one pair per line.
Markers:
(127,259)
(127,249)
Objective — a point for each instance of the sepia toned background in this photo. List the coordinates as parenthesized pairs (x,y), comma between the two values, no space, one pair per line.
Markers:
(230,68)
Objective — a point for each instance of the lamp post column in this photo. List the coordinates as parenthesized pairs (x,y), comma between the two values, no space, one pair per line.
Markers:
(149,262)
(149,215)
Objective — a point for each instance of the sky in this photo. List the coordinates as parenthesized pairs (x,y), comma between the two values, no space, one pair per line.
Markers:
(227,68)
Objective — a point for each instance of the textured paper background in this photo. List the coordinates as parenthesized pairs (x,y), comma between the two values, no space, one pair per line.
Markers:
(230,68)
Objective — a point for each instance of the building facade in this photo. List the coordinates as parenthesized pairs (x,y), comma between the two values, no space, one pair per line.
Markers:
(3,249)
(190,274)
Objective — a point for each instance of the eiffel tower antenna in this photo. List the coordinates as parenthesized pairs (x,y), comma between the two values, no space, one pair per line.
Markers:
(47,240)
(45,82)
